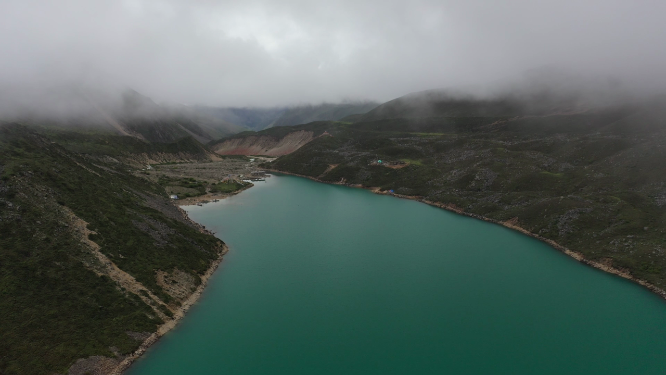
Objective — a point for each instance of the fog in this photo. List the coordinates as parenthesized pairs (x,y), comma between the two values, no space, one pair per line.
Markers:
(268,53)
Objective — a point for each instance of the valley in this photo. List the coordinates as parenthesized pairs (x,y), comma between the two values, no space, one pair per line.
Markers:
(94,214)
(332,188)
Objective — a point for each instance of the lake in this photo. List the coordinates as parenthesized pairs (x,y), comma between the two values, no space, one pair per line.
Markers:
(324,279)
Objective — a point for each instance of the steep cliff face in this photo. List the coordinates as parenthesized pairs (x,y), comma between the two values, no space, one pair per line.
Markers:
(264,144)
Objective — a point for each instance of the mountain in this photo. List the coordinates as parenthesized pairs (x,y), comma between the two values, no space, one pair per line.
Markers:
(587,176)
(444,104)
(212,128)
(127,113)
(431,104)
(143,118)
(94,258)
(249,118)
(276,141)
(322,112)
(257,119)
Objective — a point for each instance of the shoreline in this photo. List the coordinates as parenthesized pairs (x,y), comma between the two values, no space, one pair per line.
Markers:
(178,315)
(511,224)
(193,298)
(208,197)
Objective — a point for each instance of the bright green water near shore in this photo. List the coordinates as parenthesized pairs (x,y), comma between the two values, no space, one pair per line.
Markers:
(325,280)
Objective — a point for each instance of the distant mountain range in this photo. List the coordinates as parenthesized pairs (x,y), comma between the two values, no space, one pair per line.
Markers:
(133,114)
(261,118)
(322,112)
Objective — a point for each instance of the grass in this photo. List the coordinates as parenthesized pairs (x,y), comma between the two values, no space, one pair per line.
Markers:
(412,161)
(183,186)
(227,187)
(186,187)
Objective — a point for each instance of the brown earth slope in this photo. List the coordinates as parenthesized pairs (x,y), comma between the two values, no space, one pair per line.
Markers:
(264,144)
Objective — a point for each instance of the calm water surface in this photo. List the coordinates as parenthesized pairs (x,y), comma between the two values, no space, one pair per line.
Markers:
(325,279)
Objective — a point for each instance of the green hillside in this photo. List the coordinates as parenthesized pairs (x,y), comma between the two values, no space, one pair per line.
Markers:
(591,180)
(59,301)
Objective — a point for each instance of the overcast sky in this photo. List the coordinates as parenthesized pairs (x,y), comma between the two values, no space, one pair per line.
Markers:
(261,53)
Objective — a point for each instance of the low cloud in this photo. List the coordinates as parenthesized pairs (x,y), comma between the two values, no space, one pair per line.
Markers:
(262,53)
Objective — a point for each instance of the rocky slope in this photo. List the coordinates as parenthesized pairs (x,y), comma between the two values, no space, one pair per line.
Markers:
(267,145)
(94,260)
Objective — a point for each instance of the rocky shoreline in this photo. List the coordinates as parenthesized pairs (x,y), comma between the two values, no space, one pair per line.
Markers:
(179,313)
(511,224)
(177,317)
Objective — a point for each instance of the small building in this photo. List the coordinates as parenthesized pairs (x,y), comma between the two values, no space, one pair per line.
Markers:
(173,196)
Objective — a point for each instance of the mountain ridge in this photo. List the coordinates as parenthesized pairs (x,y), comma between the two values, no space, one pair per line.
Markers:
(585,177)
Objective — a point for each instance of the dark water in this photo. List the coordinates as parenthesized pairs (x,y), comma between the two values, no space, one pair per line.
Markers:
(324,279)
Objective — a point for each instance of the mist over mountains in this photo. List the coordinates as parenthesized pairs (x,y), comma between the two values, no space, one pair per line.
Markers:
(128,112)
(275,54)
(548,117)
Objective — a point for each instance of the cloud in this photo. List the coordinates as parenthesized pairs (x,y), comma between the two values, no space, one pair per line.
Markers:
(294,51)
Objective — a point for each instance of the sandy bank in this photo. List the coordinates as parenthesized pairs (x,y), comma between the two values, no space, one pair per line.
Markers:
(511,224)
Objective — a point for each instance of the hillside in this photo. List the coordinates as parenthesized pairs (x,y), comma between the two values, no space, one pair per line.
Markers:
(248,118)
(271,142)
(94,258)
(141,117)
(257,119)
(589,179)
(438,104)
(322,112)
(126,113)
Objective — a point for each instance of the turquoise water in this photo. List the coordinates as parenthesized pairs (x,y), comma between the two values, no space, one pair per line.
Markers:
(325,279)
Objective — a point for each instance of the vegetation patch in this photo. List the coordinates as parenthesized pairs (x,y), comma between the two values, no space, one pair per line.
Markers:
(227,187)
